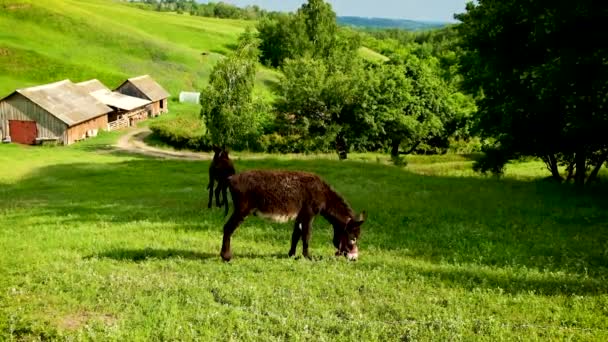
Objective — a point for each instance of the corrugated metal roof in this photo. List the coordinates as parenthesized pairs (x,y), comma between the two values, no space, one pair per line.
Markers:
(66,101)
(149,87)
(92,85)
(118,100)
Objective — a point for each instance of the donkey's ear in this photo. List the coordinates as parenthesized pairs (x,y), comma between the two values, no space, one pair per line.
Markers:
(216,148)
(362,217)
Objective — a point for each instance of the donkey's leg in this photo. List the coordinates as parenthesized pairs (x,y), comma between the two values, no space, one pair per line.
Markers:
(295,237)
(225,195)
(307,218)
(218,202)
(210,187)
(237,217)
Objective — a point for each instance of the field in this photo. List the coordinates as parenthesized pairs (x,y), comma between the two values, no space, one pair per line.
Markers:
(96,244)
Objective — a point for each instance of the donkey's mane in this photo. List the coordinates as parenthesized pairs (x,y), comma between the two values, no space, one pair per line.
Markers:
(336,206)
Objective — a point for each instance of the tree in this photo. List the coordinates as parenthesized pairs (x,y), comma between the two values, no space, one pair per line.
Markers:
(228,107)
(323,97)
(541,89)
(321,26)
(411,105)
(311,32)
(281,36)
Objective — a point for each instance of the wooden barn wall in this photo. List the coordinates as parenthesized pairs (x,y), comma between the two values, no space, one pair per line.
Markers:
(79,132)
(129,89)
(166,106)
(18,107)
(155,108)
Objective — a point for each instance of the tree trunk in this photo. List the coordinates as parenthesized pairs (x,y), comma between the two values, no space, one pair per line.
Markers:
(570,170)
(395,148)
(596,169)
(580,160)
(341,146)
(551,163)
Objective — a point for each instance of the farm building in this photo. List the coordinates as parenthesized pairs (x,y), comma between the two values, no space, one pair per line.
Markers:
(127,110)
(146,88)
(59,111)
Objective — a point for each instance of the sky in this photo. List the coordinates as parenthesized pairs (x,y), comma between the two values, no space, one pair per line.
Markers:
(427,10)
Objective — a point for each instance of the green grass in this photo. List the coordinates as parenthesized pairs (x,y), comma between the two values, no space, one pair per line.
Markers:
(372,55)
(99,245)
(49,40)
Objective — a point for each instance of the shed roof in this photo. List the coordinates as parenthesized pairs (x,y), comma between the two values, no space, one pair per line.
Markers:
(148,86)
(118,100)
(66,101)
(92,85)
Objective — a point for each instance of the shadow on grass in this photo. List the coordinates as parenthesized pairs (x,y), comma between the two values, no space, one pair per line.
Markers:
(273,85)
(161,254)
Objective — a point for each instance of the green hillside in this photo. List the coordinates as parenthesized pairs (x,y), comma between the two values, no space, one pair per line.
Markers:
(48,40)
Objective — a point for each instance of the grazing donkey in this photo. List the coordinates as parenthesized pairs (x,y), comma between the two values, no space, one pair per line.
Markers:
(287,195)
(220,170)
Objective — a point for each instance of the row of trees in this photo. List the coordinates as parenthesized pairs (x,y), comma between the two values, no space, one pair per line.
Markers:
(329,97)
(210,9)
(539,89)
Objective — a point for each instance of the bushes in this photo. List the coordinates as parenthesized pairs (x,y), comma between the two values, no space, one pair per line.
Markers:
(182,133)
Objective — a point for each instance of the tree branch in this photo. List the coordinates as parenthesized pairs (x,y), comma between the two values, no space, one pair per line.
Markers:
(411,149)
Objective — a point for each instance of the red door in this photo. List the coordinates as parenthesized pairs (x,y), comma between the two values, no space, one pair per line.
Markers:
(23,132)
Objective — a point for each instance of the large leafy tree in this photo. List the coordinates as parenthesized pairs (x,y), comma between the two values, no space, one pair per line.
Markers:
(321,26)
(322,97)
(282,36)
(310,32)
(228,105)
(541,86)
(411,105)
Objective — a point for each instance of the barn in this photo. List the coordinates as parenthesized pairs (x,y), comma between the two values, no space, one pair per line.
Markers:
(58,111)
(127,110)
(145,87)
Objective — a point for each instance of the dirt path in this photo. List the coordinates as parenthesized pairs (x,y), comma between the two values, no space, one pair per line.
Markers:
(133,142)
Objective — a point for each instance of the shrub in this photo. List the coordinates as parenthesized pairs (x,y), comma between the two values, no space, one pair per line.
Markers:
(465,146)
(182,133)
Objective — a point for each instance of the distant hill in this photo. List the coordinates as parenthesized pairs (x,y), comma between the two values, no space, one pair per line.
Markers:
(405,24)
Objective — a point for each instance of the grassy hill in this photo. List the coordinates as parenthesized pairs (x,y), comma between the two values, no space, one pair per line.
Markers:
(48,40)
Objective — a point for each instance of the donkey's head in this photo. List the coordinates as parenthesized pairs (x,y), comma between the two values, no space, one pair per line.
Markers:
(220,152)
(345,239)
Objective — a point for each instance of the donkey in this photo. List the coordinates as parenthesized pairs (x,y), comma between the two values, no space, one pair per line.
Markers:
(286,195)
(220,170)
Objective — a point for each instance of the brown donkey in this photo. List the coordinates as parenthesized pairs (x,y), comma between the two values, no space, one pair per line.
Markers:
(220,170)
(287,195)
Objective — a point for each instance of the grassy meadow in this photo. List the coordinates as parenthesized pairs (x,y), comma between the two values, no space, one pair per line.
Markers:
(96,244)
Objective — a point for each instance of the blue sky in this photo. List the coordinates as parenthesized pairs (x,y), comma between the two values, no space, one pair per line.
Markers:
(431,10)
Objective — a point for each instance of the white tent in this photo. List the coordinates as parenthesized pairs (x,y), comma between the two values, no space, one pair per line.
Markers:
(189,97)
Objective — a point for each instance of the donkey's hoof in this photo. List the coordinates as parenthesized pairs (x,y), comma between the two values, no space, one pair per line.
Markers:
(290,254)
(226,256)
